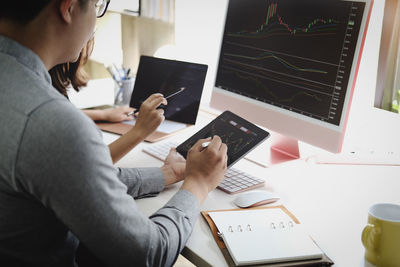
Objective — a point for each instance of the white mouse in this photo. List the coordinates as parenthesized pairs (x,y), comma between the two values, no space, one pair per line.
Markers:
(255,198)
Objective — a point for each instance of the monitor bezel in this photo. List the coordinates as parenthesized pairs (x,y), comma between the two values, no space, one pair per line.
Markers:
(301,127)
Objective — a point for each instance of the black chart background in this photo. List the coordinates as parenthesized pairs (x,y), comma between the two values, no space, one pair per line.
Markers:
(239,142)
(157,75)
(294,54)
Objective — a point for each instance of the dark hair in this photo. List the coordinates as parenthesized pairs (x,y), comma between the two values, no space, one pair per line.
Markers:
(66,74)
(23,11)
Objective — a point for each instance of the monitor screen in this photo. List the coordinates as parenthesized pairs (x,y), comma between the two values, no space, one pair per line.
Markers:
(290,65)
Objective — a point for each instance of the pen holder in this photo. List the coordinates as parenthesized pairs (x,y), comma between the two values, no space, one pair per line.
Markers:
(123,92)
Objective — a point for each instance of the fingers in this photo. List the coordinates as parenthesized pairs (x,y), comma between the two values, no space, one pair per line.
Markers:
(128,112)
(219,149)
(127,118)
(151,104)
(154,96)
(126,109)
(198,145)
(224,150)
(215,143)
(175,153)
(174,157)
(155,100)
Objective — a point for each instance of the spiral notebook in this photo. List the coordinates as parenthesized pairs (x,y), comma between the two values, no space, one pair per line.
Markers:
(269,236)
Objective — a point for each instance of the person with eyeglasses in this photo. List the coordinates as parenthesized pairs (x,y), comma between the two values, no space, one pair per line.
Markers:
(101,7)
(58,185)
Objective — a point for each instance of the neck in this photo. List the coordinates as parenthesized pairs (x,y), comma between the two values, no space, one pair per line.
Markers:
(32,37)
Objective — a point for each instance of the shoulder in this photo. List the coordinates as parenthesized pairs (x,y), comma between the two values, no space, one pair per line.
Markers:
(64,143)
(60,122)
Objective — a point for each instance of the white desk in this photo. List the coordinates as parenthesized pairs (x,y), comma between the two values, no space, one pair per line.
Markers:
(331,201)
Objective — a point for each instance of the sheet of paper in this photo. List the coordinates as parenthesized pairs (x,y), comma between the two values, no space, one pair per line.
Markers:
(166,126)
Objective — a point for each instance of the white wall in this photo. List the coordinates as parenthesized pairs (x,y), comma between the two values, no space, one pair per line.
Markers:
(143,36)
(372,128)
(198,34)
(198,29)
(108,41)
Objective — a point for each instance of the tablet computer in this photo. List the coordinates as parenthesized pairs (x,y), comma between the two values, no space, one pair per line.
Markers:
(240,135)
(165,76)
(168,77)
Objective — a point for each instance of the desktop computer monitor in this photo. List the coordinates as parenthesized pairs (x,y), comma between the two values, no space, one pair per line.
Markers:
(291,66)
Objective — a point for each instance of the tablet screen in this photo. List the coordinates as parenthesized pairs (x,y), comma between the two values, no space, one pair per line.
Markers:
(158,75)
(240,135)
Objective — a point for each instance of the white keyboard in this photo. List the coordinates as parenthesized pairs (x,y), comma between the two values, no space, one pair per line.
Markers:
(235,180)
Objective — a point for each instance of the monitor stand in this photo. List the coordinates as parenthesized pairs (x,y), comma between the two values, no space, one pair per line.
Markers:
(276,149)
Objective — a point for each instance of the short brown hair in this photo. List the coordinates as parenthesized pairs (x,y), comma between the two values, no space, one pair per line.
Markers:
(66,74)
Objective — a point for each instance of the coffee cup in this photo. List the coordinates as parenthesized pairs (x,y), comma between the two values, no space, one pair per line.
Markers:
(381,236)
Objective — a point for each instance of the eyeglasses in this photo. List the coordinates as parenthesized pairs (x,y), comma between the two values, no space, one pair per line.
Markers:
(101,7)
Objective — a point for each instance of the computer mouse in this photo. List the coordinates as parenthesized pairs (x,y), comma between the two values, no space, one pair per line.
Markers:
(255,198)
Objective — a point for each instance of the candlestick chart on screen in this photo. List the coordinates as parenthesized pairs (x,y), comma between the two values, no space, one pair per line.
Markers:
(292,54)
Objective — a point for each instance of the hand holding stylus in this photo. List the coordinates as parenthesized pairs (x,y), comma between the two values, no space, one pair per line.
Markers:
(205,167)
(150,117)
(168,96)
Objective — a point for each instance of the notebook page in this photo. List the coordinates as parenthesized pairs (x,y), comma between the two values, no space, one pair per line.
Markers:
(264,236)
(271,245)
(255,218)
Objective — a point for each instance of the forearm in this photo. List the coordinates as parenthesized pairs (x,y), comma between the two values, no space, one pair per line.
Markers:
(176,221)
(125,143)
(95,114)
(142,182)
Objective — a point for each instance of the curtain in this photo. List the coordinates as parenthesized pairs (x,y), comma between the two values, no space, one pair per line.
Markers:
(391,93)
(159,9)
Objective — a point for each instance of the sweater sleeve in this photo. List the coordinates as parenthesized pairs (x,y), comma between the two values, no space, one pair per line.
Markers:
(142,182)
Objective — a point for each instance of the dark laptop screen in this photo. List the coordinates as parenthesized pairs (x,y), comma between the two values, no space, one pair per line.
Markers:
(156,75)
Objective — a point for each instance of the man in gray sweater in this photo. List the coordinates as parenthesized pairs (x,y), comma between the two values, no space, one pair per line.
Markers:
(58,185)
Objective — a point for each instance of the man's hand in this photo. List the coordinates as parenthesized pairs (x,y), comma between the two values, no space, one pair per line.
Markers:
(205,167)
(174,167)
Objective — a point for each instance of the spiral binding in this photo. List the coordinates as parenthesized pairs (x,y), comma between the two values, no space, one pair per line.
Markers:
(248,227)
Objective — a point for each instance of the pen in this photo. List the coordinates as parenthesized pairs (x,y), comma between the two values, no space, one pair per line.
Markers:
(132,112)
(168,96)
(177,92)
(205,144)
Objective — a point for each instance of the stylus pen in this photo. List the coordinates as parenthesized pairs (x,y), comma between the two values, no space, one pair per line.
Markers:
(168,96)
(177,92)
(205,144)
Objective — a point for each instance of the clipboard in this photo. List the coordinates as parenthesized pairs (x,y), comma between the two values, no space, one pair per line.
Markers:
(324,261)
